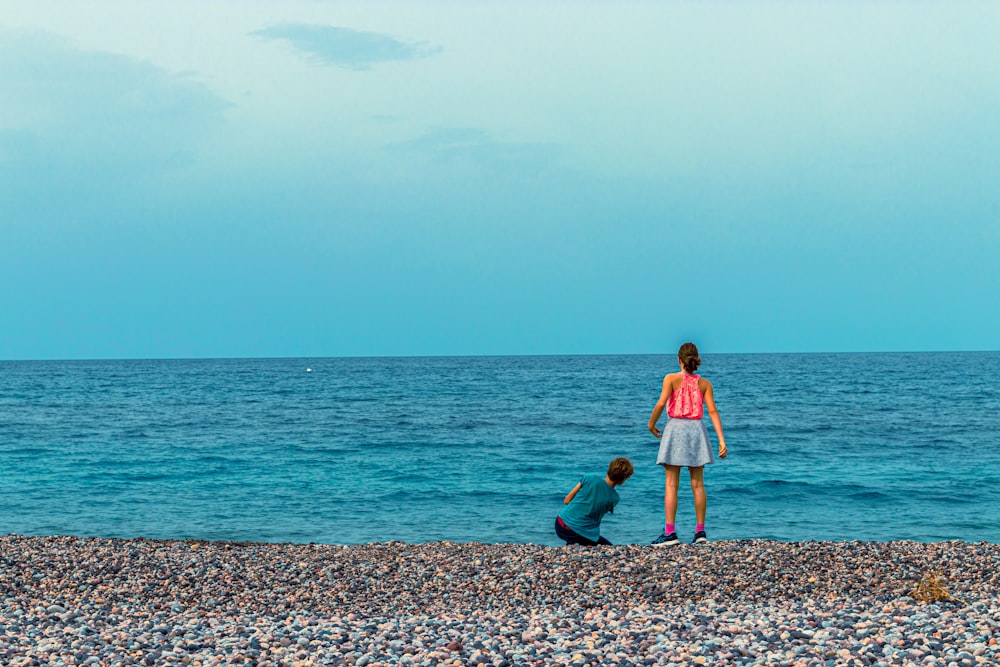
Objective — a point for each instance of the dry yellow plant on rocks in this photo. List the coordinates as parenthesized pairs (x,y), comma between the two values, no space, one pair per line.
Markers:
(931,588)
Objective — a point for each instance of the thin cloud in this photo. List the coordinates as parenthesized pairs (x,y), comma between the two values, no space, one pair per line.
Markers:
(476,146)
(352,49)
(89,115)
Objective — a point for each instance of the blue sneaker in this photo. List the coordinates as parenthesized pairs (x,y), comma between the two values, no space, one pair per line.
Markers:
(665,540)
(699,537)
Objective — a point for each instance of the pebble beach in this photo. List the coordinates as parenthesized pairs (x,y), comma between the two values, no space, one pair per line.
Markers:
(78,601)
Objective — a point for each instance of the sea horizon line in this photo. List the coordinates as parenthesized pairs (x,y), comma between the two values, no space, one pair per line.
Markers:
(815,353)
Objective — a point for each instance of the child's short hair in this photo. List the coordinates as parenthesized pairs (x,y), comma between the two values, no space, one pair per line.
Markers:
(619,470)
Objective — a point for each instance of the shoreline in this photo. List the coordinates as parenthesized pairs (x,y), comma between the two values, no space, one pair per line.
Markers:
(67,600)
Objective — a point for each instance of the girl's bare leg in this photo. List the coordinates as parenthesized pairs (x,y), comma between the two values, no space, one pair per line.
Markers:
(673,478)
(698,489)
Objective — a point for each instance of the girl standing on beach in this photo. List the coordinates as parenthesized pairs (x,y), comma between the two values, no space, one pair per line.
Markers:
(684,440)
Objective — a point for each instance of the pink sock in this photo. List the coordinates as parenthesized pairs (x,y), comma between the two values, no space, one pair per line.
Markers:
(669,529)
(700,527)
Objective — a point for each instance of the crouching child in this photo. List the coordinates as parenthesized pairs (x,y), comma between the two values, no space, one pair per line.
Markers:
(579,522)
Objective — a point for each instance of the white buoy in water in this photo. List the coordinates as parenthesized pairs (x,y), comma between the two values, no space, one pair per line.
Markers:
(309,370)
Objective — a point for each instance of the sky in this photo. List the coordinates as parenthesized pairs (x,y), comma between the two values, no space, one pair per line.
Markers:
(304,179)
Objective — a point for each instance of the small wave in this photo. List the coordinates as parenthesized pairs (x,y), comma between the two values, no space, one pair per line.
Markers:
(869,496)
(24,452)
(146,476)
(952,499)
(217,458)
(736,490)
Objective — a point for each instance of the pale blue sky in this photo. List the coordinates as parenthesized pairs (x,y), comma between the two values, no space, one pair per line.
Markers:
(191,179)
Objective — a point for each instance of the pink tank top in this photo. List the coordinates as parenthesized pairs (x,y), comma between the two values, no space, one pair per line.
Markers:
(686,402)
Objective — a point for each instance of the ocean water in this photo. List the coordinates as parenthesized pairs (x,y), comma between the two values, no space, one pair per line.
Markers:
(822,447)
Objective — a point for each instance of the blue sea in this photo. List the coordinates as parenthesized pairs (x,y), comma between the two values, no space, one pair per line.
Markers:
(350,450)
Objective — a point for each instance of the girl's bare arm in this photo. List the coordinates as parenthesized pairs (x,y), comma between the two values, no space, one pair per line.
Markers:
(713,412)
(660,405)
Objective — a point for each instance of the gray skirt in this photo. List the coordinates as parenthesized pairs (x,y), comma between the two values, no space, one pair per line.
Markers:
(685,443)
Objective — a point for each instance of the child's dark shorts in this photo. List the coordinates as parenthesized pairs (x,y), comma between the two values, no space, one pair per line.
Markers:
(566,534)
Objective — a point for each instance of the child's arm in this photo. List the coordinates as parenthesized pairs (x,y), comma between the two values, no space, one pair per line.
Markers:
(713,412)
(572,493)
(660,405)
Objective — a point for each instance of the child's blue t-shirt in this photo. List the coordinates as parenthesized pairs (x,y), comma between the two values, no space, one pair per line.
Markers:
(594,499)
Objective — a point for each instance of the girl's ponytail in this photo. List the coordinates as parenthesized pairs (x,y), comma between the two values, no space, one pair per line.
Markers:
(688,355)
